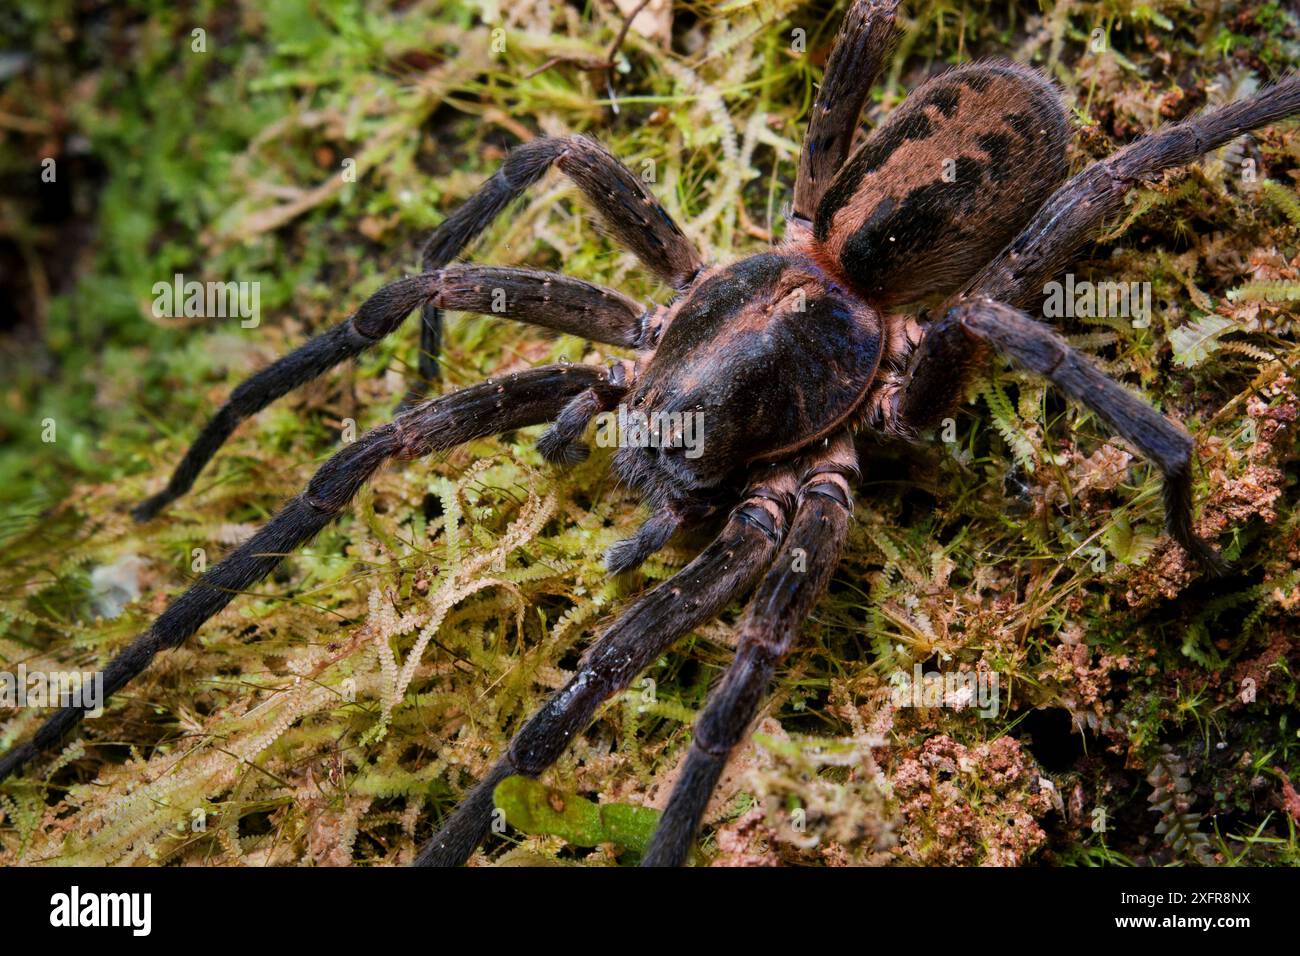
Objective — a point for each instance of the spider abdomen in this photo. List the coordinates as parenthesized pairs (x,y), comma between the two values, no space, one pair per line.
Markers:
(769,353)
(944,184)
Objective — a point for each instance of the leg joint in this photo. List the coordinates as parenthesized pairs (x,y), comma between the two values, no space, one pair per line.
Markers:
(831,488)
(766,509)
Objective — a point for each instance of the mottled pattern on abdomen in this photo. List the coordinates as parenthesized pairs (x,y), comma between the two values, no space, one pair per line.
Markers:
(941,187)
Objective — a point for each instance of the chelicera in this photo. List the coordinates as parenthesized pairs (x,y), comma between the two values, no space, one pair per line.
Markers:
(904,262)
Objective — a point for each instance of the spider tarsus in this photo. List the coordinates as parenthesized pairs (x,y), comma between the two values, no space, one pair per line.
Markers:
(1210,559)
(675,835)
(557,449)
(624,556)
(148,509)
(1178,497)
(561,444)
(632,552)
(575,453)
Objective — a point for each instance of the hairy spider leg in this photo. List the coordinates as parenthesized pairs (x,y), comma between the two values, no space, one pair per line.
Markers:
(514,401)
(786,595)
(539,298)
(562,443)
(630,212)
(865,41)
(653,534)
(1039,349)
(945,362)
(695,594)
(1071,215)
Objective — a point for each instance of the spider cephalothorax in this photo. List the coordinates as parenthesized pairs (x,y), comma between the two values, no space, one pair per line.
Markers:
(779,350)
(748,390)
(770,353)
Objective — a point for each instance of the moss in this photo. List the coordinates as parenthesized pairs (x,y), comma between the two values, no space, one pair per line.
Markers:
(337,712)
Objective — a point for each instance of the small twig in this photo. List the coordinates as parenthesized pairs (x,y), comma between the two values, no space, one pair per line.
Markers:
(592,66)
(622,34)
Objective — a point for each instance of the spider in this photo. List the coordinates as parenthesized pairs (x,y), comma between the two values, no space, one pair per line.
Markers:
(905,262)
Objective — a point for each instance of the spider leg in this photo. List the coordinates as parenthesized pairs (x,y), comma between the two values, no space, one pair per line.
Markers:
(540,298)
(942,365)
(1038,348)
(784,598)
(515,401)
(653,534)
(644,631)
(865,41)
(1071,214)
(945,361)
(562,442)
(631,213)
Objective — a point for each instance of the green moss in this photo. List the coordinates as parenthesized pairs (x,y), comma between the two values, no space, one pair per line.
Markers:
(1027,545)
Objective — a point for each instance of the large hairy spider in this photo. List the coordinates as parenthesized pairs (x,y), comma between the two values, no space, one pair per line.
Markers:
(959,200)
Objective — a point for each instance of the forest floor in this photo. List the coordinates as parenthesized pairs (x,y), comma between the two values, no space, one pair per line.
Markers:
(1145,714)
